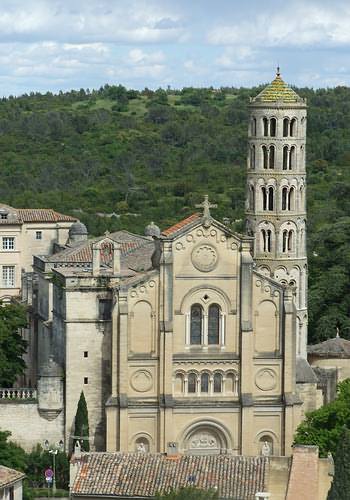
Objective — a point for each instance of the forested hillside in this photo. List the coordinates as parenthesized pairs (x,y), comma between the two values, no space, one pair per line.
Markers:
(152,155)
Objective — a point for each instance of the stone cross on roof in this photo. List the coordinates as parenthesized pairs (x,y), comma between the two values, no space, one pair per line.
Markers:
(206,205)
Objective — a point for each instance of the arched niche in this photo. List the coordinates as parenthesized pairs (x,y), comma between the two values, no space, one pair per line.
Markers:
(205,438)
(266,339)
(141,339)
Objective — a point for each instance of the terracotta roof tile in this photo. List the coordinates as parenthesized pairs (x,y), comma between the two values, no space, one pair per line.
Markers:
(180,225)
(9,476)
(144,474)
(43,215)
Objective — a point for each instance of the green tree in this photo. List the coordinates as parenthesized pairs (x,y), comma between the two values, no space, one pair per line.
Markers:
(189,493)
(341,483)
(12,345)
(38,460)
(323,427)
(11,455)
(81,428)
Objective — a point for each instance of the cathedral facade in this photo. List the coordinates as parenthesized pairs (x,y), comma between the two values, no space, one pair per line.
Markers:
(187,340)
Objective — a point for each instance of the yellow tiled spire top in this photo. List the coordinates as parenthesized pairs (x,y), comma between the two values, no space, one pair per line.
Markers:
(278,90)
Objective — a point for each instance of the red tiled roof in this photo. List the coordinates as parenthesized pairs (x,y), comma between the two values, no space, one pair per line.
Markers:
(9,476)
(42,215)
(180,225)
(141,475)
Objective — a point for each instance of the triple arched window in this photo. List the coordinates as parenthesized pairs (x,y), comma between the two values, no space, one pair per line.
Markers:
(206,383)
(207,326)
(289,157)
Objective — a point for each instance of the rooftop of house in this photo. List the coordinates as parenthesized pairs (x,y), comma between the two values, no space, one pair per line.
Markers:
(142,475)
(10,215)
(9,476)
(336,347)
(278,90)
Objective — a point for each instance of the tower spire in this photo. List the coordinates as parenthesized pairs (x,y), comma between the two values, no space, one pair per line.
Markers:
(278,72)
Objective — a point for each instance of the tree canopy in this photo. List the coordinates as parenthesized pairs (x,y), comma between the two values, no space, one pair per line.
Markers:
(341,483)
(151,155)
(81,427)
(323,427)
(12,345)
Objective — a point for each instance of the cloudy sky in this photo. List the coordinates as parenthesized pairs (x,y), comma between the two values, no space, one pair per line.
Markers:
(64,44)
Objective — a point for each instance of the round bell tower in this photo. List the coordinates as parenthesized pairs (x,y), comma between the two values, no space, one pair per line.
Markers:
(276,191)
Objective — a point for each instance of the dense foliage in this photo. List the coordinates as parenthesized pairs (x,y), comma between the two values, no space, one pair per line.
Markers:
(341,483)
(323,427)
(81,424)
(189,493)
(152,155)
(12,345)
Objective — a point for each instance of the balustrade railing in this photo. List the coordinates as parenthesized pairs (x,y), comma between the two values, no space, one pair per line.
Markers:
(18,394)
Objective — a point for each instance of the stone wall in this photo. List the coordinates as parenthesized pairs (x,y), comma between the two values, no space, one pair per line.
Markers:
(26,425)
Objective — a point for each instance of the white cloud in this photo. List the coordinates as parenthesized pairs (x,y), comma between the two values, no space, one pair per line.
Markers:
(298,24)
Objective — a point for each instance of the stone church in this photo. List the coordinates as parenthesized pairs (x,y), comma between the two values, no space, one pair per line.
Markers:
(188,340)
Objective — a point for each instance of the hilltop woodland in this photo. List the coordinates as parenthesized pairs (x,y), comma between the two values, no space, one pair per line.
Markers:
(152,155)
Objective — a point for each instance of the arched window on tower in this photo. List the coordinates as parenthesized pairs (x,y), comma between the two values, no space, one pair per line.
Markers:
(252,156)
(292,127)
(251,197)
(264,197)
(272,157)
(214,324)
(196,324)
(287,240)
(284,198)
(273,123)
(266,240)
(290,242)
(270,198)
(284,241)
(292,158)
(265,156)
(285,127)
(285,158)
(253,127)
(266,127)
(217,382)
(291,199)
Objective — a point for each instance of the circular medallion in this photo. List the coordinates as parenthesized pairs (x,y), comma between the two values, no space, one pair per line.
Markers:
(265,379)
(204,258)
(141,381)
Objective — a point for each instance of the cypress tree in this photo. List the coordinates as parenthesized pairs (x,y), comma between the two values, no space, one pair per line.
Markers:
(81,429)
(341,482)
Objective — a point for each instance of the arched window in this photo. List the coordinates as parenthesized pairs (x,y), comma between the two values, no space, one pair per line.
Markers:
(264,197)
(196,324)
(293,126)
(263,239)
(231,384)
(204,382)
(285,127)
(253,126)
(265,156)
(291,198)
(252,157)
(266,127)
(217,382)
(214,324)
(179,383)
(273,127)
(284,198)
(290,241)
(285,158)
(270,198)
(284,240)
(251,197)
(272,157)
(292,158)
(268,240)
(192,383)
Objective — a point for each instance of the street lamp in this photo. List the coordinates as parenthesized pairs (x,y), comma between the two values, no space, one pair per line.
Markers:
(53,451)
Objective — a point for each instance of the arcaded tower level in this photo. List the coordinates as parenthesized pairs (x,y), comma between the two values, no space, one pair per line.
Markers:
(276,198)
